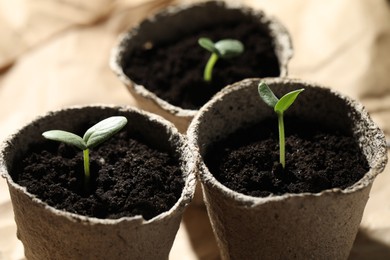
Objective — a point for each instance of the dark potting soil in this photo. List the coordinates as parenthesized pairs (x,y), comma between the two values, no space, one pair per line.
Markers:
(316,159)
(128,178)
(174,70)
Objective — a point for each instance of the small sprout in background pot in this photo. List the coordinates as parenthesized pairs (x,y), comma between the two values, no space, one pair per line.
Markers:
(279,106)
(94,136)
(225,49)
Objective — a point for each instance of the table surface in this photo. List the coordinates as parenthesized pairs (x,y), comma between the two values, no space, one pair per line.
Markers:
(50,60)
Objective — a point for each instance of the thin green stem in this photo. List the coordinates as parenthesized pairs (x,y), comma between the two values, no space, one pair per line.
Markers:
(208,70)
(86,169)
(282,152)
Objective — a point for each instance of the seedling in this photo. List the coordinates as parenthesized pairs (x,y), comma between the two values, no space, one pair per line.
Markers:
(279,106)
(225,49)
(94,136)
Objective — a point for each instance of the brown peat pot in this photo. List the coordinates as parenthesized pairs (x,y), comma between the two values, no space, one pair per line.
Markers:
(290,225)
(161,63)
(55,233)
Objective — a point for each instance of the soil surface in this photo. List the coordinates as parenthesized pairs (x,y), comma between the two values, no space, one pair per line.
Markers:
(174,70)
(127,178)
(317,158)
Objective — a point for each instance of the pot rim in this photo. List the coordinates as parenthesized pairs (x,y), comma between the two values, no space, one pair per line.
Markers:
(278,32)
(186,195)
(378,165)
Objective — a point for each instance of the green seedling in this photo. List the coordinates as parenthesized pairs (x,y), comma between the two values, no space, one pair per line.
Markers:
(94,136)
(279,106)
(225,49)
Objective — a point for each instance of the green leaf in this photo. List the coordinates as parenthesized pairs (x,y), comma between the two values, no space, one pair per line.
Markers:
(104,130)
(208,44)
(286,101)
(267,95)
(229,48)
(66,137)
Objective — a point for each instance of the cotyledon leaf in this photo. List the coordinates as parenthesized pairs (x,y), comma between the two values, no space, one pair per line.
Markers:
(286,101)
(229,48)
(66,137)
(104,130)
(207,44)
(267,95)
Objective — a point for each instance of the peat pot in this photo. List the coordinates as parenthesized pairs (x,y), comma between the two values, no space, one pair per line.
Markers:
(161,63)
(292,225)
(54,233)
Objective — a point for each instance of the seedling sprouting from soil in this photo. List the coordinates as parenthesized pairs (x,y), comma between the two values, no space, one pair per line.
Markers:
(94,136)
(279,106)
(225,49)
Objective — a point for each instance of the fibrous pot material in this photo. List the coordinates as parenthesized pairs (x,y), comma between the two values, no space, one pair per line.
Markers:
(50,233)
(291,226)
(175,22)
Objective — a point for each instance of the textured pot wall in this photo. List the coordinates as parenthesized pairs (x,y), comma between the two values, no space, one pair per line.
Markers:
(181,20)
(292,226)
(308,227)
(48,233)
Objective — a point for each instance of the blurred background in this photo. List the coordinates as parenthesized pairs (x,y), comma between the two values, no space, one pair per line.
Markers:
(54,53)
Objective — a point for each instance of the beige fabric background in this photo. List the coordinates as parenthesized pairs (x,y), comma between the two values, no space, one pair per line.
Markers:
(55,54)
